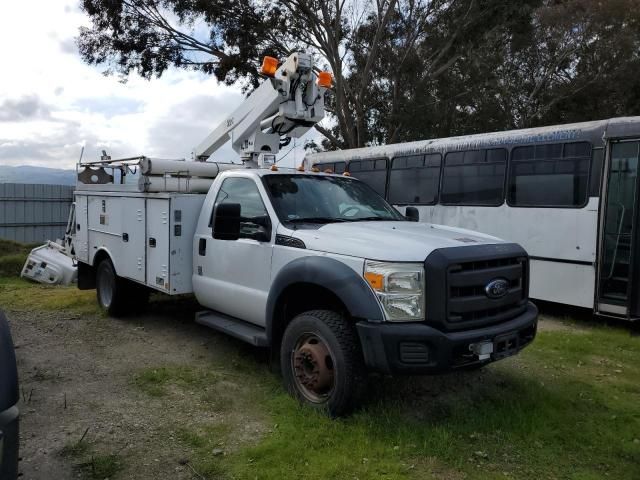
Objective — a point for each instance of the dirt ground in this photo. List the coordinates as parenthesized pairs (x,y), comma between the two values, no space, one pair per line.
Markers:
(76,381)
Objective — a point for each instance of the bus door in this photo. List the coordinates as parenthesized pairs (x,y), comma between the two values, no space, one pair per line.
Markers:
(619,259)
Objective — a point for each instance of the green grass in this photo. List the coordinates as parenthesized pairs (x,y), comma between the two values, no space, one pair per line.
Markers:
(156,381)
(12,257)
(75,449)
(100,467)
(19,294)
(9,247)
(23,295)
(206,442)
(11,265)
(569,407)
(89,464)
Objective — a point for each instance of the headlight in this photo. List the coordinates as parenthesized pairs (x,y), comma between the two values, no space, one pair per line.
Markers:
(399,287)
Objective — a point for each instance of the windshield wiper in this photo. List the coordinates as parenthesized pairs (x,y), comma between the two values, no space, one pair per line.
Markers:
(316,220)
(373,219)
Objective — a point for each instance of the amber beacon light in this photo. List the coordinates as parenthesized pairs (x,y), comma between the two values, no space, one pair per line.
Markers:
(269,66)
(325,79)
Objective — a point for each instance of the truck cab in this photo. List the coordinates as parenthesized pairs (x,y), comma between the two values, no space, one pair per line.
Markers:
(336,282)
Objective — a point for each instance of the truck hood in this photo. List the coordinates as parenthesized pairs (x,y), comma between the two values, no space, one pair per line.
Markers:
(388,241)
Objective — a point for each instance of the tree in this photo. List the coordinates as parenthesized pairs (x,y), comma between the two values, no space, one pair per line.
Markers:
(227,37)
(546,63)
(403,69)
(433,57)
(221,37)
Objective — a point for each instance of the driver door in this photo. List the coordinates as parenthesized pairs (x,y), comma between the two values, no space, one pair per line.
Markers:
(239,271)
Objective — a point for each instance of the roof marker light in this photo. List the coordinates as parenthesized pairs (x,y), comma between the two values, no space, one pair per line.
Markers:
(269,66)
(325,79)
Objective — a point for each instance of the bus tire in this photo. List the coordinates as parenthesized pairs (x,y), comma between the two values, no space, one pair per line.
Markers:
(321,362)
(111,290)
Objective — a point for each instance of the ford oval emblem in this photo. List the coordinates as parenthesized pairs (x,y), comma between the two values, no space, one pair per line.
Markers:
(497,288)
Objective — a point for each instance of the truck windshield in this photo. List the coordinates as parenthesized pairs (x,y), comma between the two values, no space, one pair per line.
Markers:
(324,199)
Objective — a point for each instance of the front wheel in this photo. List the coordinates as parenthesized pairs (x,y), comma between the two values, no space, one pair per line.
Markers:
(321,361)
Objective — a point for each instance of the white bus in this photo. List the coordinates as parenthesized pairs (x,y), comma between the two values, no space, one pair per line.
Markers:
(567,193)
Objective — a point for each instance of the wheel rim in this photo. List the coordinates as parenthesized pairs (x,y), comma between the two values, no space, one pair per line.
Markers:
(105,286)
(313,368)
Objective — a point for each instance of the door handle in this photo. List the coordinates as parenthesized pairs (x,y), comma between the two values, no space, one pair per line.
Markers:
(125,237)
(202,247)
(152,242)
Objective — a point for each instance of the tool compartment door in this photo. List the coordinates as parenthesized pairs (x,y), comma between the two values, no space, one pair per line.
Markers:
(116,225)
(81,230)
(158,244)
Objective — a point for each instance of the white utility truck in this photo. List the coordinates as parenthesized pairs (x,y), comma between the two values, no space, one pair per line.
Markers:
(315,266)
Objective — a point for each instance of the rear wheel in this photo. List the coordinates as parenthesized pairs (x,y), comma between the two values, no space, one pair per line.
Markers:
(111,289)
(321,361)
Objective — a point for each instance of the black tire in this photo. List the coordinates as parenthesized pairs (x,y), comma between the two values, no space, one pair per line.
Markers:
(111,290)
(338,343)
(9,397)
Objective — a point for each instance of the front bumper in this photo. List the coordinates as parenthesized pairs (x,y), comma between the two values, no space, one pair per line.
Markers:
(415,348)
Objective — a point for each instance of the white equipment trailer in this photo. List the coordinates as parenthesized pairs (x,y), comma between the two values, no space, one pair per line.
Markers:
(316,267)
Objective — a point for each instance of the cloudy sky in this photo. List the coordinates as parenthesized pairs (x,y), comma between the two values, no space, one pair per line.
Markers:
(52,104)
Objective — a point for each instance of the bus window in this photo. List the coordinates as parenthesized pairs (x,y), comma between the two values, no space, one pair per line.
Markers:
(337,167)
(552,175)
(474,177)
(372,172)
(414,179)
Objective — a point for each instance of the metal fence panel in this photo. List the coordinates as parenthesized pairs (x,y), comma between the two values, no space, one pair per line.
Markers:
(31,213)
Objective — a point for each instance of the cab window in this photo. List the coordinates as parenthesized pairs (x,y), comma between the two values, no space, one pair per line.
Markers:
(245,192)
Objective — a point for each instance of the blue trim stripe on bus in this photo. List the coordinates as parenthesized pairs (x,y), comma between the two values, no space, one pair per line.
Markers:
(561,260)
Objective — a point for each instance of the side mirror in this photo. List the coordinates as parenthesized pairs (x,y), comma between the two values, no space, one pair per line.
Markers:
(264,224)
(226,221)
(412,214)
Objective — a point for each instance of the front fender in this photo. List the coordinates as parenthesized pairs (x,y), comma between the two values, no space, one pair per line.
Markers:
(335,276)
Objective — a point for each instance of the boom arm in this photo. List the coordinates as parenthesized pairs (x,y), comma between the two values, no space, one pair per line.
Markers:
(286,105)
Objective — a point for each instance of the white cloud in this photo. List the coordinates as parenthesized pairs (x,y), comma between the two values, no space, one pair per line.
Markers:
(52,104)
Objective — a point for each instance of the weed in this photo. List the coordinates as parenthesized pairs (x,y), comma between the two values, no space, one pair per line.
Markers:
(89,464)
(9,247)
(75,449)
(11,265)
(154,381)
(99,467)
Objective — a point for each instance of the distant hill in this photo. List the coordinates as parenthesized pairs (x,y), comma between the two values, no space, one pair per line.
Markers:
(28,174)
